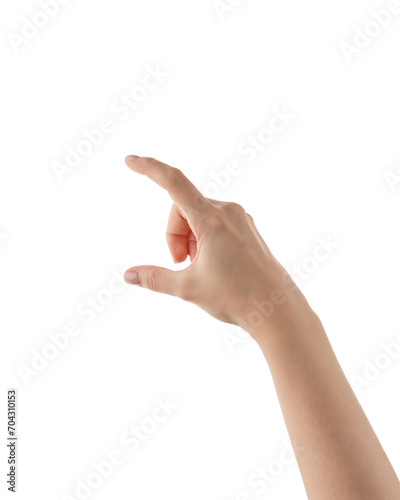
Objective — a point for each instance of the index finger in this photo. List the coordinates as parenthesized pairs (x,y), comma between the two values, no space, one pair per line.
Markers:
(185,194)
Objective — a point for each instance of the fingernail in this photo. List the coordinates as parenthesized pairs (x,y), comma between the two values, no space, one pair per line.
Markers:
(131,157)
(132,277)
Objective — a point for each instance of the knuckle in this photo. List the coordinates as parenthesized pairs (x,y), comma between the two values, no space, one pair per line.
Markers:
(145,159)
(234,208)
(175,176)
(200,203)
(215,203)
(150,281)
(215,220)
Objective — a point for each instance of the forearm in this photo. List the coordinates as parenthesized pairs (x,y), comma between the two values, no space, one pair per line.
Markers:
(338,453)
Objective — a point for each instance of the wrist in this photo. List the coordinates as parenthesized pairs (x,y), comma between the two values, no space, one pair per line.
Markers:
(279,313)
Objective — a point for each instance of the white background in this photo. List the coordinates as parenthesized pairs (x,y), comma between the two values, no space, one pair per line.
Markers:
(324,176)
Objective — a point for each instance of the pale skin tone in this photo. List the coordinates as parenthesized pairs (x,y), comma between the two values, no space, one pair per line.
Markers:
(235,278)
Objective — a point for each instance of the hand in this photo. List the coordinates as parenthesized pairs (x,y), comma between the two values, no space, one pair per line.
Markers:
(233,275)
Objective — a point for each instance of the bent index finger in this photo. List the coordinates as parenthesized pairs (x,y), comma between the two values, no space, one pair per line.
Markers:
(185,194)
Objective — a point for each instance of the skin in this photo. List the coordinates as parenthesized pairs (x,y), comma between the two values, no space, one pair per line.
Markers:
(235,278)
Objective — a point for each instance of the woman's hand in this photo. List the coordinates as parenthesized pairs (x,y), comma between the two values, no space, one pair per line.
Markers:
(232,275)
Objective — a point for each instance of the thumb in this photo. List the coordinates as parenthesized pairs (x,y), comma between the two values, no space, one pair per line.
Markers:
(157,279)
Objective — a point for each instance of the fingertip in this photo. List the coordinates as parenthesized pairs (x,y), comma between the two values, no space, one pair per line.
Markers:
(130,160)
(132,277)
(179,259)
